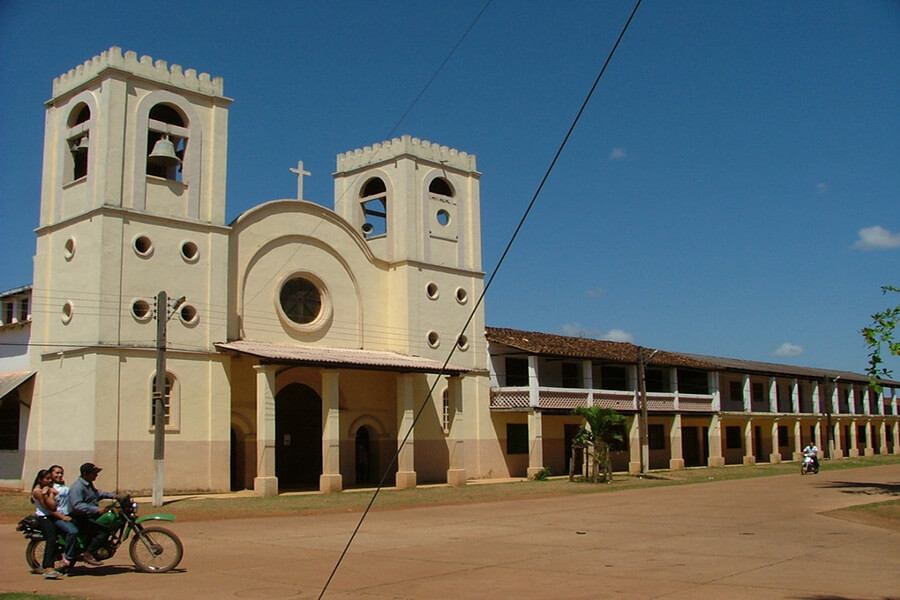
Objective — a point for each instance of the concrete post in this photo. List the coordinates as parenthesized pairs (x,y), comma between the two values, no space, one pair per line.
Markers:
(265,483)
(716,459)
(676,458)
(406,465)
(749,456)
(330,480)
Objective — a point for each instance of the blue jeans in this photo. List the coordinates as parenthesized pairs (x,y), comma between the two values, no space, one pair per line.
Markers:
(71,533)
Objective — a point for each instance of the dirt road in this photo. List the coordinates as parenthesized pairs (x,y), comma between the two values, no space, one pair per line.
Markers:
(752,538)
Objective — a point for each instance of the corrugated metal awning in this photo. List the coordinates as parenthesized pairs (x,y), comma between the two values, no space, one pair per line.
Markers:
(10,381)
(350,358)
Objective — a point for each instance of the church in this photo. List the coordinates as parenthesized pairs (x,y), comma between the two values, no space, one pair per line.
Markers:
(308,348)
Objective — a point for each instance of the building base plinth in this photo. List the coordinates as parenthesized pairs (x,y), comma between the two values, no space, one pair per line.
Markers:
(265,486)
(456,477)
(775,458)
(749,460)
(634,467)
(331,484)
(716,461)
(676,463)
(406,480)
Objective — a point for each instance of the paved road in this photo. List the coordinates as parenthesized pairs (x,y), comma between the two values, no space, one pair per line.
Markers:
(753,538)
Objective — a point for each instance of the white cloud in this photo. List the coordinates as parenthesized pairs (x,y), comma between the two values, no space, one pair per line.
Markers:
(877,238)
(612,335)
(595,293)
(789,349)
(617,153)
(822,188)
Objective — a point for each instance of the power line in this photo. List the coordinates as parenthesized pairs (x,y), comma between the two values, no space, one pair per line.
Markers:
(477,304)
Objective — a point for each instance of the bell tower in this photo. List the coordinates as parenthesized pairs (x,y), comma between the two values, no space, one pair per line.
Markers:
(132,203)
(413,200)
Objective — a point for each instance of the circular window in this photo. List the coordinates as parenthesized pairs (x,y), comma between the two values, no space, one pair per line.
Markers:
(461,295)
(69,248)
(143,246)
(188,314)
(434,340)
(301,300)
(190,252)
(141,310)
(432,290)
(68,310)
(443,217)
(462,343)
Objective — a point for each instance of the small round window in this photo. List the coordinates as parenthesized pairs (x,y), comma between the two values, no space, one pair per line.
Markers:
(69,249)
(432,290)
(188,314)
(141,310)
(461,295)
(190,252)
(443,217)
(301,300)
(143,246)
(434,340)
(68,310)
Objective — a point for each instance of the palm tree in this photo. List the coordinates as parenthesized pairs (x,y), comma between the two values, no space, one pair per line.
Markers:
(602,427)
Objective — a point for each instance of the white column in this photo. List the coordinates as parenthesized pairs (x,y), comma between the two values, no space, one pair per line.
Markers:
(749,448)
(775,456)
(879,398)
(773,395)
(587,380)
(816,399)
(851,399)
(745,392)
(535,443)
(406,469)
(798,441)
(795,396)
(634,445)
(676,459)
(882,438)
(853,442)
(456,474)
(716,459)
(534,392)
(265,483)
(330,480)
(870,443)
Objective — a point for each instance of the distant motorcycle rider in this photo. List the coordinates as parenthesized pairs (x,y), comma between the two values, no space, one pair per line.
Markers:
(84,507)
(812,451)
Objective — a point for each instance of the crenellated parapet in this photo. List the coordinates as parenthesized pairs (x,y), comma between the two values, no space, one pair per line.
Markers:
(409,146)
(158,71)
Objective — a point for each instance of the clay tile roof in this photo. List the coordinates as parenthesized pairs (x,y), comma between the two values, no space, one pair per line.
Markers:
(339,357)
(548,344)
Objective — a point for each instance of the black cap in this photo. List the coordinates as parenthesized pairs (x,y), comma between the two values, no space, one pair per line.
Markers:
(90,468)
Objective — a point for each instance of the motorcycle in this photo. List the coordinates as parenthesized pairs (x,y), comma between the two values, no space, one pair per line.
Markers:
(809,465)
(153,549)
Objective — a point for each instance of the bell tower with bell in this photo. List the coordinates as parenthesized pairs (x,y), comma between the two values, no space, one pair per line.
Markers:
(132,203)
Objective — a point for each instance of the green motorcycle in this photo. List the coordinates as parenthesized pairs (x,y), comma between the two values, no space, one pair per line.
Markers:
(153,549)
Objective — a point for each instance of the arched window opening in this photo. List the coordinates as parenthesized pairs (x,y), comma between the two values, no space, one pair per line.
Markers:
(445,412)
(373,200)
(78,142)
(171,403)
(441,187)
(167,140)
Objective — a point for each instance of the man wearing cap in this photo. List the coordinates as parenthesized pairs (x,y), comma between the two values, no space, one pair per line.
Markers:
(84,506)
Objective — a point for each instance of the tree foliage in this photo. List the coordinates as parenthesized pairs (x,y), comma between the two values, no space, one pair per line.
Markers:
(602,428)
(880,335)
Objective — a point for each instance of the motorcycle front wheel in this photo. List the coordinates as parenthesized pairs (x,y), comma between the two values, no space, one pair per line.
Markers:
(155,550)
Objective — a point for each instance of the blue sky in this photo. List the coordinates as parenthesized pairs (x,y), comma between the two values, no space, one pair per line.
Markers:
(733,187)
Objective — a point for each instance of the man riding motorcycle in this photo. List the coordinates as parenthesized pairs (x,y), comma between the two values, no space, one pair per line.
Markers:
(812,452)
(84,507)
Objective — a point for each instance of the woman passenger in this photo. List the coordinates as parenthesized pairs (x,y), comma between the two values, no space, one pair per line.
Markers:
(43,495)
(64,523)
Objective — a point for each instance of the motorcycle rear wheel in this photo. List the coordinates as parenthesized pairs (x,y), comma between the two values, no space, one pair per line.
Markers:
(163,554)
(34,555)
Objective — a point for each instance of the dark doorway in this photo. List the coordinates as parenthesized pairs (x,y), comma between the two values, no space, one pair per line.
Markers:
(363,456)
(298,437)
(758,444)
(690,447)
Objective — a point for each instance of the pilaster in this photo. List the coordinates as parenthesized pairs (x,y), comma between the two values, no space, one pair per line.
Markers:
(265,483)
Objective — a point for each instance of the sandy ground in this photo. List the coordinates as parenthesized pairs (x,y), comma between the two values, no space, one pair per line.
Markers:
(762,538)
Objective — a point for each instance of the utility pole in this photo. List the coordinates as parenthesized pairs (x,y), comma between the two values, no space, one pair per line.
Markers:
(159,395)
(645,426)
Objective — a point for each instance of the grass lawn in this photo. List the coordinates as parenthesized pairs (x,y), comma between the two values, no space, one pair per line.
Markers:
(15,505)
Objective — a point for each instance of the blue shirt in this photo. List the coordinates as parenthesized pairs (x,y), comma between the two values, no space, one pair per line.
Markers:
(84,498)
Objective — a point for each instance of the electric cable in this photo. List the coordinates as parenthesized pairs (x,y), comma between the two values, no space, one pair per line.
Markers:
(477,304)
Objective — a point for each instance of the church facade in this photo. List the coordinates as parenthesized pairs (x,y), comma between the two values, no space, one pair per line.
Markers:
(303,347)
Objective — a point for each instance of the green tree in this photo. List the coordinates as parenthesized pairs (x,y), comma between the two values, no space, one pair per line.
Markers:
(880,334)
(602,427)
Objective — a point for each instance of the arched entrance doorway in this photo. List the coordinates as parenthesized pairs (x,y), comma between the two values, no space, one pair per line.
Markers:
(364,457)
(298,437)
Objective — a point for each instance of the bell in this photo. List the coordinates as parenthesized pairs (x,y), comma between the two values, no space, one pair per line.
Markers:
(164,153)
(81,144)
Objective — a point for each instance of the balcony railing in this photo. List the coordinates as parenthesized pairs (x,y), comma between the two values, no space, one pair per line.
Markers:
(569,399)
